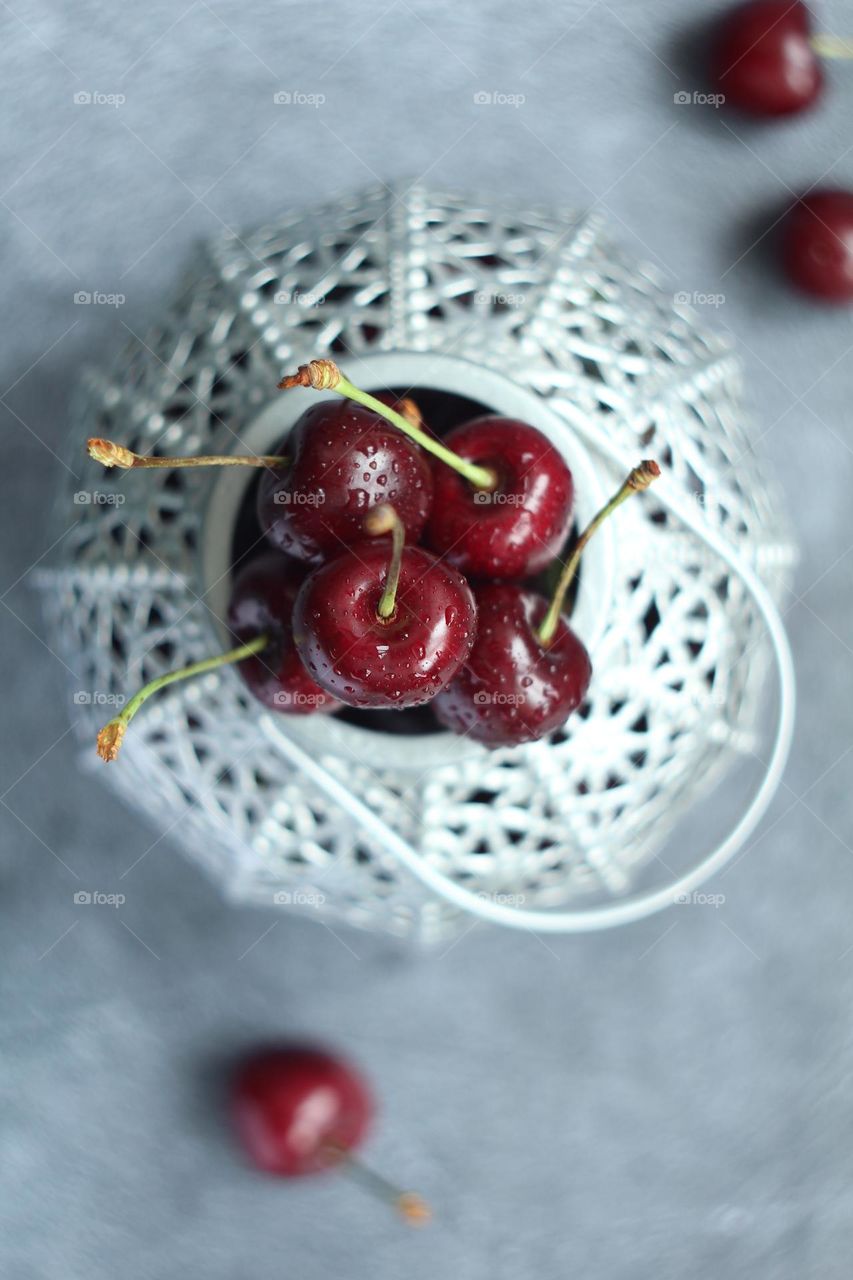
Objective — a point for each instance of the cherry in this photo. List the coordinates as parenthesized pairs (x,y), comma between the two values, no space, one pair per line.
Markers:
(376,633)
(507,509)
(512,688)
(300,1111)
(339,461)
(297,1109)
(260,616)
(344,461)
(817,244)
(763,59)
(527,670)
(262,603)
(324,375)
(519,526)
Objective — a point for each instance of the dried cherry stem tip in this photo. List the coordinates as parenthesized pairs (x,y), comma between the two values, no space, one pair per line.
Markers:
(412,1207)
(381,520)
(111,736)
(324,375)
(115,455)
(638,480)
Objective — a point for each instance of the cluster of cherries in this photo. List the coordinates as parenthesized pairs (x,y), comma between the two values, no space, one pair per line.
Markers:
(767,61)
(398,566)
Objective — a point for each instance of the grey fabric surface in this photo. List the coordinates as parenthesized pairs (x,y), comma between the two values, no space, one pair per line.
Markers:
(669,1099)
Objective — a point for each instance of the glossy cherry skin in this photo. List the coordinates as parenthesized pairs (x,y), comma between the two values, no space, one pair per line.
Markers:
(763,61)
(520,527)
(367,662)
(511,689)
(817,245)
(262,602)
(296,1109)
(343,461)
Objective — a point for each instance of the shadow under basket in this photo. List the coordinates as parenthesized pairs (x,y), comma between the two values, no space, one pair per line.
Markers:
(415,831)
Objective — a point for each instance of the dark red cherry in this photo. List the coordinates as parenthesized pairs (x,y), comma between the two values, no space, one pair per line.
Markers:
(763,60)
(512,688)
(527,670)
(262,603)
(817,245)
(344,461)
(519,527)
(367,661)
(298,1109)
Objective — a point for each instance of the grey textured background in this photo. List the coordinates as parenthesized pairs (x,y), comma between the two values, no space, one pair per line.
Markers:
(670,1099)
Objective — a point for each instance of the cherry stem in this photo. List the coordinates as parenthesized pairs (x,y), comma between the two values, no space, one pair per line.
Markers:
(111,736)
(411,1206)
(115,455)
(324,375)
(384,519)
(829,46)
(639,479)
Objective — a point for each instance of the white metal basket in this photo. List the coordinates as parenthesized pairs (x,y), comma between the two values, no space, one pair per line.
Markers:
(531,313)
